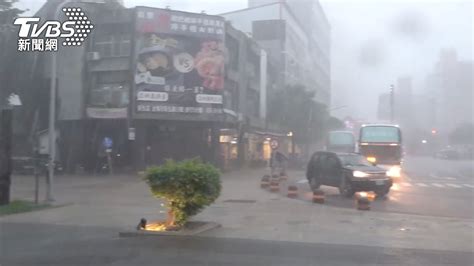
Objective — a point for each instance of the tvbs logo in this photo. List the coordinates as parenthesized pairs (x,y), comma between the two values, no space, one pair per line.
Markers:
(34,36)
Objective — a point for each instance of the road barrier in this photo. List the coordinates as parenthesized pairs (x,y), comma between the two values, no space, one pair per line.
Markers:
(318,196)
(292,191)
(283,177)
(265,182)
(362,201)
(274,185)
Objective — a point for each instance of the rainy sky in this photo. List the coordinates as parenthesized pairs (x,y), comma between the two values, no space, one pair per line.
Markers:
(373,41)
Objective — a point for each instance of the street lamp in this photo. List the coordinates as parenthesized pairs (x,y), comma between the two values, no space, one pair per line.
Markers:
(52,104)
(392,103)
(290,134)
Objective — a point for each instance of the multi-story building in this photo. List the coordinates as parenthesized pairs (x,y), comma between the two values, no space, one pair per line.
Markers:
(296,35)
(451,86)
(383,108)
(153,84)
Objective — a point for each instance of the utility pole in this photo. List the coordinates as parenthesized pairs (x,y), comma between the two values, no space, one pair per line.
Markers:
(392,102)
(5,155)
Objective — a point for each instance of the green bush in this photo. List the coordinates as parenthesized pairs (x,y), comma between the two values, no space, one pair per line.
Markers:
(187,186)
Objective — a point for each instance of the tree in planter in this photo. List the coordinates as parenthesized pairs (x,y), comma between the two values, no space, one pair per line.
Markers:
(187,186)
(293,108)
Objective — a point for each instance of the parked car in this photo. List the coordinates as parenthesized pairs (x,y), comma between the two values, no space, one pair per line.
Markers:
(350,172)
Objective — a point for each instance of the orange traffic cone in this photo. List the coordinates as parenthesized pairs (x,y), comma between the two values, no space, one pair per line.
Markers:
(292,191)
(265,182)
(274,185)
(318,196)
(362,201)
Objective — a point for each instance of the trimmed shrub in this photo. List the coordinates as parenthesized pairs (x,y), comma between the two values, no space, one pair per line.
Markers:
(187,186)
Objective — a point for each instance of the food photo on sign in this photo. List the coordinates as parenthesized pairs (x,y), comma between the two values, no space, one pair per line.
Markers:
(181,66)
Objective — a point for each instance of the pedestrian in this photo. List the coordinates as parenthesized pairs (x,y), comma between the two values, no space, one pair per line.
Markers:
(278,163)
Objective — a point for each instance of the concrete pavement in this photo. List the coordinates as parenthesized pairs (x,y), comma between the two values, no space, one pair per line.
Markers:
(59,245)
(247,212)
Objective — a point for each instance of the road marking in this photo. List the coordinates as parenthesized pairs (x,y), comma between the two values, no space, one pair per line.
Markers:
(433,176)
(407,177)
(406,184)
(450,178)
(467,185)
(453,185)
(421,184)
(302,181)
(437,185)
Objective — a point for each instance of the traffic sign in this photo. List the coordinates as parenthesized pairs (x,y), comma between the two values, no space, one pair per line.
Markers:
(131,133)
(107,143)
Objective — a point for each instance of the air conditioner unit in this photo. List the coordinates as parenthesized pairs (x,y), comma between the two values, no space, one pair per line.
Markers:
(92,56)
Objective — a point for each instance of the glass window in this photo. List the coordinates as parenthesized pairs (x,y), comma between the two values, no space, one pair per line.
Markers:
(354,160)
(233,52)
(331,162)
(380,134)
(113,45)
(341,138)
(113,77)
(110,96)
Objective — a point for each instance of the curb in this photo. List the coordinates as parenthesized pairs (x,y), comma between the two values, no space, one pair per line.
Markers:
(184,232)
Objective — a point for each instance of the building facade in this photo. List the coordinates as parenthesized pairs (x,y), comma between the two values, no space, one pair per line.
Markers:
(296,35)
(153,84)
(451,87)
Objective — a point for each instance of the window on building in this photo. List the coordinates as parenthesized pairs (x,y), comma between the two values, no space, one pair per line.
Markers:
(253,102)
(233,52)
(231,95)
(110,96)
(113,44)
(111,90)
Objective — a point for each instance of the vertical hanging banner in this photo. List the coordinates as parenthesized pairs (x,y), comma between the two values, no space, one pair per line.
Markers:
(180,60)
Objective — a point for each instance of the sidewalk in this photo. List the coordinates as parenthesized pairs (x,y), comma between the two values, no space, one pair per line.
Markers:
(245,211)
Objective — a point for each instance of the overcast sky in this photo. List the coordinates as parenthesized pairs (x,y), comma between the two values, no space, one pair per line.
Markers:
(373,41)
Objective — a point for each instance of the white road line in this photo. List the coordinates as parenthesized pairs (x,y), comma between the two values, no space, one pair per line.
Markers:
(453,185)
(302,181)
(450,178)
(437,185)
(433,176)
(407,177)
(467,185)
(421,184)
(406,184)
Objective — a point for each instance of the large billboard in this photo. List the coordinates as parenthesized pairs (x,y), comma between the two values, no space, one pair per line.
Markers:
(179,67)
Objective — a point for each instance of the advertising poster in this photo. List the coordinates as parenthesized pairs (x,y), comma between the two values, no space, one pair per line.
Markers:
(180,60)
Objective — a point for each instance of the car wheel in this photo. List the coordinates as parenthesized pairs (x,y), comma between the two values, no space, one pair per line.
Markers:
(314,184)
(345,188)
(381,193)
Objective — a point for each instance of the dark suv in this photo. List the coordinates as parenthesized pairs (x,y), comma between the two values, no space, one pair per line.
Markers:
(349,172)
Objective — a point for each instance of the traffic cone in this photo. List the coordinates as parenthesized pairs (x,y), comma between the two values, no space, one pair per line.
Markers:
(265,182)
(283,177)
(292,191)
(274,185)
(318,196)
(362,201)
